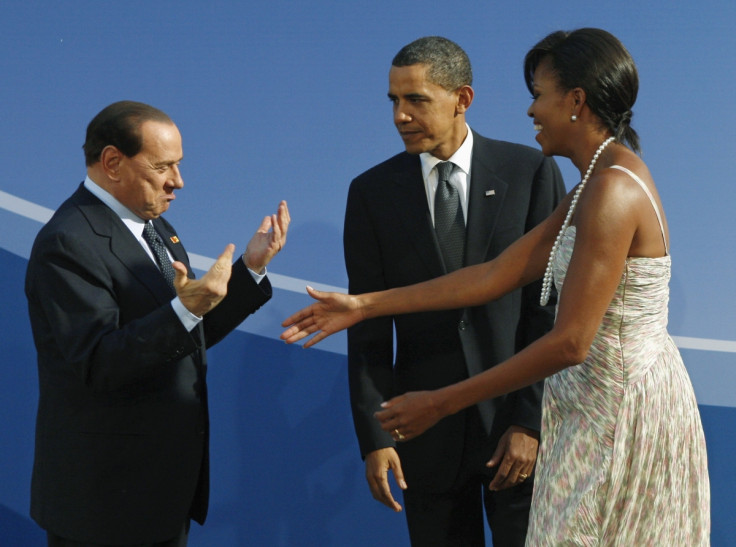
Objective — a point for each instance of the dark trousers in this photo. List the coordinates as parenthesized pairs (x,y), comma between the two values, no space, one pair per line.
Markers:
(455,518)
(178,541)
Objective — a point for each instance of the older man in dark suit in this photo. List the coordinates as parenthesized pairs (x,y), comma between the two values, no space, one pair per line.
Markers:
(453,198)
(121,327)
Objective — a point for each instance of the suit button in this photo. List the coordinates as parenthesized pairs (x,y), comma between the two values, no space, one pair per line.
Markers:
(462,325)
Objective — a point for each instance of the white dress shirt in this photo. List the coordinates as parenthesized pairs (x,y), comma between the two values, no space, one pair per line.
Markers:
(460,177)
(135,224)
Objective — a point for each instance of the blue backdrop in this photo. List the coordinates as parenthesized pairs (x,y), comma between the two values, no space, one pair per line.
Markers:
(287,100)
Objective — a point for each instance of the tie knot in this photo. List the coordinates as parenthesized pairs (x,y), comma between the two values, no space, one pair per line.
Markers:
(444,170)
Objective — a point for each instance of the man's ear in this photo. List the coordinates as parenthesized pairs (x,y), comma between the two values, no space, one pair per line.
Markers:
(464,99)
(110,160)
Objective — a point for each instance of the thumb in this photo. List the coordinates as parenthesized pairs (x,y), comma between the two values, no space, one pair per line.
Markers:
(314,293)
(180,270)
(227,254)
(223,265)
(399,474)
(496,458)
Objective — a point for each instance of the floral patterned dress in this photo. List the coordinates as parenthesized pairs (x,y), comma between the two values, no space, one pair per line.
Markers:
(622,459)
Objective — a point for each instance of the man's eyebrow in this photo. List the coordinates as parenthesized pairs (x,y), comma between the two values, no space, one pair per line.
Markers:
(408,96)
(169,162)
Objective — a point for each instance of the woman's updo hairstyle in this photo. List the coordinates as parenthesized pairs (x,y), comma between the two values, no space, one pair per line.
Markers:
(597,62)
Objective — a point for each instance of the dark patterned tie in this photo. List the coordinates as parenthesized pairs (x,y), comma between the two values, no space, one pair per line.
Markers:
(449,223)
(159,252)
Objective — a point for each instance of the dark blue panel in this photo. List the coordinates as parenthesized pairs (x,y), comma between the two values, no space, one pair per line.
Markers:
(719,424)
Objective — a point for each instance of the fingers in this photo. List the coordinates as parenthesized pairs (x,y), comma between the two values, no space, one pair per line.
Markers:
(300,330)
(281,222)
(300,318)
(377,466)
(505,476)
(515,457)
(382,492)
(200,296)
(497,456)
(297,332)
(508,478)
(302,323)
(283,214)
(390,422)
(321,335)
(265,226)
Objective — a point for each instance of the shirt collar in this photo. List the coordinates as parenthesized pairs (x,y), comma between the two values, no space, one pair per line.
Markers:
(461,158)
(131,220)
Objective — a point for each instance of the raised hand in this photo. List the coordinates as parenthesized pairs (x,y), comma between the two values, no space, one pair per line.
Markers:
(331,313)
(268,240)
(201,295)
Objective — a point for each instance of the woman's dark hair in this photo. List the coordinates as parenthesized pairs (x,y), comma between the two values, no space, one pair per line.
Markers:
(597,62)
(119,125)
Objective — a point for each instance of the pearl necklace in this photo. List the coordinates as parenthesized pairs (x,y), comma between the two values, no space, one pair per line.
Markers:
(547,279)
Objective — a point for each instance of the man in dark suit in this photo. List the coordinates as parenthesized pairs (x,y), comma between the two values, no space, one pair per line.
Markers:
(502,190)
(121,454)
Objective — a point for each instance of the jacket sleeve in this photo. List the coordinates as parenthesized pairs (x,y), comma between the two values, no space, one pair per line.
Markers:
(244,297)
(76,310)
(370,343)
(96,317)
(535,320)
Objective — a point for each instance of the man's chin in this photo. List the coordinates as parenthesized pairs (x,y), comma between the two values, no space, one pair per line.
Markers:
(414,149)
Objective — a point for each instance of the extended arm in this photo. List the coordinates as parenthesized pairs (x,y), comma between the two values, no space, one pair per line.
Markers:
(520,264)
(607,220)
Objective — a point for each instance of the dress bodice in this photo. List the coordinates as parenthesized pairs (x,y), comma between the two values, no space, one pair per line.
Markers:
(635,323)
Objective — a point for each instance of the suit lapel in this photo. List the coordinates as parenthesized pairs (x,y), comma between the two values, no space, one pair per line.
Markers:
(485,200)
(123,245)
(171,240)
(410,201)
(487,193)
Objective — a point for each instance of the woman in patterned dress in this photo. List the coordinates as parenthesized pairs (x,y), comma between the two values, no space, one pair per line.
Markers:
(622,458)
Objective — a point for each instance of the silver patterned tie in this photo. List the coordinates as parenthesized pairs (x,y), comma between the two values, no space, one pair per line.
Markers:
(159,252)
(449,223)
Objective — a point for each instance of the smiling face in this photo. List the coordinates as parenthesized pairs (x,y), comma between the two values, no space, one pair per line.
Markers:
(428,117)
(551,110)
(146,181)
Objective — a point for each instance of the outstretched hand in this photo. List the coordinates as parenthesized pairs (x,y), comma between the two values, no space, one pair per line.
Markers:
(201,295)
(410,414)
(331,313)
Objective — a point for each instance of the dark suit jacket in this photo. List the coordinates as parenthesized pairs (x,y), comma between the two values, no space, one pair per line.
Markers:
(122,427)
(389,242)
